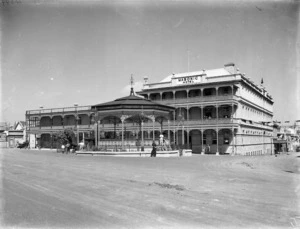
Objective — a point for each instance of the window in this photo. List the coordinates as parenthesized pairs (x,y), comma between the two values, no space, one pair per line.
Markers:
(204,139)
(34,122)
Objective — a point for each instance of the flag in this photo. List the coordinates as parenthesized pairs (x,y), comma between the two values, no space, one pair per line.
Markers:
(262,81)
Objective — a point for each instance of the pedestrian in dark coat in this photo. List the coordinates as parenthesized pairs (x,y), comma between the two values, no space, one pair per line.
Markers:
(153,152)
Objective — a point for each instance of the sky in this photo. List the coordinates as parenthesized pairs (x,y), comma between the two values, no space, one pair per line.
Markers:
(57,54)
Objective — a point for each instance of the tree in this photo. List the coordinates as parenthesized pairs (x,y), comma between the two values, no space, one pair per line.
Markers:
(65,136)
(276,126)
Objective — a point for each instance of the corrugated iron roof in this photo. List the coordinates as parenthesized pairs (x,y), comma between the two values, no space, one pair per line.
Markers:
(132,102)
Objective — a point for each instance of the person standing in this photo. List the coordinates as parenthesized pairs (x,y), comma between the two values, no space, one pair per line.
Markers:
(138,144)
(153,152)
(68,147)
(161,139)
(207,149)
(81,145)
(164,147)
(63,148)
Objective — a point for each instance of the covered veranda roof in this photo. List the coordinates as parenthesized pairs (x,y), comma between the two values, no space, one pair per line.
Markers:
(132,102)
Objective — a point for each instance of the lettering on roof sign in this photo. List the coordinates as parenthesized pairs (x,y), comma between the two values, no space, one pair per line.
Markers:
(188,80)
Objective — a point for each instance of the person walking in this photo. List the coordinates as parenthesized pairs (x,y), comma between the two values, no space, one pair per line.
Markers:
(153,152)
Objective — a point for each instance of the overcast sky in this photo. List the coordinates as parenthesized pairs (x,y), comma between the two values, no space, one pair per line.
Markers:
(58,54)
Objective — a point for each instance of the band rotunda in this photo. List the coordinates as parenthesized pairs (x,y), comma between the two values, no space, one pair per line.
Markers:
(217,111)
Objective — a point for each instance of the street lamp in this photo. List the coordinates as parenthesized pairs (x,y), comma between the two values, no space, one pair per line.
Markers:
(181,123)
(142,131)
(77,134)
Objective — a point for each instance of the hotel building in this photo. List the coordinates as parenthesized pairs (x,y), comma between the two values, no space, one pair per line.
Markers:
(217,111)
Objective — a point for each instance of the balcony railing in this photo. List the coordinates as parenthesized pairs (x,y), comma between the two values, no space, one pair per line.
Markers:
(198,99)
(59,110)
(147,125)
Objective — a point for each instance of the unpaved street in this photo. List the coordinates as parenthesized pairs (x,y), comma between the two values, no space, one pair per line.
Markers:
(44,189)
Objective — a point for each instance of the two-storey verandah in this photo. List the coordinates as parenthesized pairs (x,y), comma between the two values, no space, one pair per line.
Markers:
(210,124)
(207,113)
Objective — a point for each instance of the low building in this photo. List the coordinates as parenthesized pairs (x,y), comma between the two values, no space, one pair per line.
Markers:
(290,133)
(15,135)
(3,141)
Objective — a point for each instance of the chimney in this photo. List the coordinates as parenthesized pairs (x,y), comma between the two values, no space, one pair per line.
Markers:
(230,67)
(145,80)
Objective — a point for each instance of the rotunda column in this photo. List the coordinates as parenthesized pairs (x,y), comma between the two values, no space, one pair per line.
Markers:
(96,133)
(142,143)
(153,132)
(123,117)
(99,130)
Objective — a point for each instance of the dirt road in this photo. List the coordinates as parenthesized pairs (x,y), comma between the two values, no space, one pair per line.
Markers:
(44,189)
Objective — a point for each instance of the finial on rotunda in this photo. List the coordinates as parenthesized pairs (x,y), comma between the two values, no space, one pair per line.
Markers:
(131,82)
